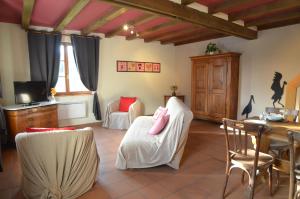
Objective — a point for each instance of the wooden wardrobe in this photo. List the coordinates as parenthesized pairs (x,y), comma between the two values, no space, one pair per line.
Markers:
(215,81)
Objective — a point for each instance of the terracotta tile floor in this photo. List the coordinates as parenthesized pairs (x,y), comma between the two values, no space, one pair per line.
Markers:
(201,174)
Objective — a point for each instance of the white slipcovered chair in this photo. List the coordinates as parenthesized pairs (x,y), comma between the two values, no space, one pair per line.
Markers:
(114,119)
(57,164)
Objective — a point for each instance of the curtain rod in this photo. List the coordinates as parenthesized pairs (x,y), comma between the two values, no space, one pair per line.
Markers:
(54,33)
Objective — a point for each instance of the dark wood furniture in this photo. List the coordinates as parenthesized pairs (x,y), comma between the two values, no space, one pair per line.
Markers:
(278,131)
(167,97)
(294,137)
(41,116)
(239,155)
(278,148)
(215,86)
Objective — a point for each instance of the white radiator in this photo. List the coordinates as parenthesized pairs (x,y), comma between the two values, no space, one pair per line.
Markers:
(71,110)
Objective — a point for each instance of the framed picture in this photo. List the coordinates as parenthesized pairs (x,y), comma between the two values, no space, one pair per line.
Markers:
(131,66)
(122,66)
(140,67)
(134,66)
(148,67)
(156,67)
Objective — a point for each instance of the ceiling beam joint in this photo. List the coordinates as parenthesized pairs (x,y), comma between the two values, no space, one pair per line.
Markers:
(186,14)
(72,13)
(103,20)
(27,12)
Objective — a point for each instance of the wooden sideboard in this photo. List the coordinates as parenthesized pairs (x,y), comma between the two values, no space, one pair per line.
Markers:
(167,97)
(41,116)
(215,80)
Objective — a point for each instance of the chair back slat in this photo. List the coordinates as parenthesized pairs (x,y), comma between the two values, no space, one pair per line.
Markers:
(239,131)
(293,136)
(292,113)
(240,140)
(234,136)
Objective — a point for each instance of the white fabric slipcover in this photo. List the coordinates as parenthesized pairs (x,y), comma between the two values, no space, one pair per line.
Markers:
(57,164)
(138,149)
(121,120)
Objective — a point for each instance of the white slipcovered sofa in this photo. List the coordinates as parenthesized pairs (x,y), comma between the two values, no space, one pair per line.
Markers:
(114,119)
(138,149)
(57,164)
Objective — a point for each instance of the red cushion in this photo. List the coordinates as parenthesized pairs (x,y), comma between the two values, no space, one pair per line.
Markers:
(125,102)
(31,130)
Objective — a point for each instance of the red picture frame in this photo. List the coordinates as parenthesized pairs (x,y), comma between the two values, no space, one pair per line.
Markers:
(135,66)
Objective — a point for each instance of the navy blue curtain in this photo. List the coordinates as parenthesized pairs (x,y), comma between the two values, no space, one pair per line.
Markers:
(86,53)
(44,55)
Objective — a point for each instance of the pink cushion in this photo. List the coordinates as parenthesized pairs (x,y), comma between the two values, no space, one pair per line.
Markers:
(32,130)
(159,125)
(125,102)
(160,111)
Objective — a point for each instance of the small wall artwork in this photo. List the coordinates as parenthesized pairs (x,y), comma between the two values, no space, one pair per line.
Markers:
(277,88)
(134,66)
(248,108)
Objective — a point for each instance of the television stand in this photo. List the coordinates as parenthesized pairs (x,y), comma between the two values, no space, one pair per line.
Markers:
(32,104)
(20,117)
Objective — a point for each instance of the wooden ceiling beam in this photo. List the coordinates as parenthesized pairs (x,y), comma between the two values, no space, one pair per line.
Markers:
(172,34)
(183,37)
(279,24)
(183,13)
(264,9)
(135,22)
(73,12)
(103,20)
(187,2)
(152,29)
(167,34)
(203,38)
(27,12)
(226,5)
(274,19)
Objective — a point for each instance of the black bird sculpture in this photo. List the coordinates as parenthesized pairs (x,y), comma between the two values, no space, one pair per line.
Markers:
(248,109)
(277,88)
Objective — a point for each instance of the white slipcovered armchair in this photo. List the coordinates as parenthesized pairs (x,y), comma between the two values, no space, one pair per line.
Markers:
(57,164)
(114,119)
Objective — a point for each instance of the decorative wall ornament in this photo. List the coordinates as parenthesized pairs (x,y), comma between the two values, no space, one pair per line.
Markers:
(277,88)
(248,109)
(134,66)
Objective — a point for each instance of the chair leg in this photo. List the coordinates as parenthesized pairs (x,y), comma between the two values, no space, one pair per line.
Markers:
(277,178)
(270,180)
(225,185)
(243,177)
(252,186)
(227,172)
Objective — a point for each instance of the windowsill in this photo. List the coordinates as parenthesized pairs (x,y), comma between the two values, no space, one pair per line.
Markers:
(75,93)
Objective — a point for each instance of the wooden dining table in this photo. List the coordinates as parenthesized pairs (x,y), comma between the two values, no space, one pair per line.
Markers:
(277,131)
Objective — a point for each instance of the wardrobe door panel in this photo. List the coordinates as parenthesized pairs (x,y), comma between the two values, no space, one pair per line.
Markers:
(200,87)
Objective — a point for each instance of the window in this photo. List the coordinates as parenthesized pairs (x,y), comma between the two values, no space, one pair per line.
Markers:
(69,82)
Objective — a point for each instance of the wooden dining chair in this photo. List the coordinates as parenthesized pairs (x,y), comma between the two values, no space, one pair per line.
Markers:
(294,190)
(240,156)
(279,148)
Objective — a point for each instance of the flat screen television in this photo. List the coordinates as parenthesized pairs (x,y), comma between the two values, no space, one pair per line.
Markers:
(30,92)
